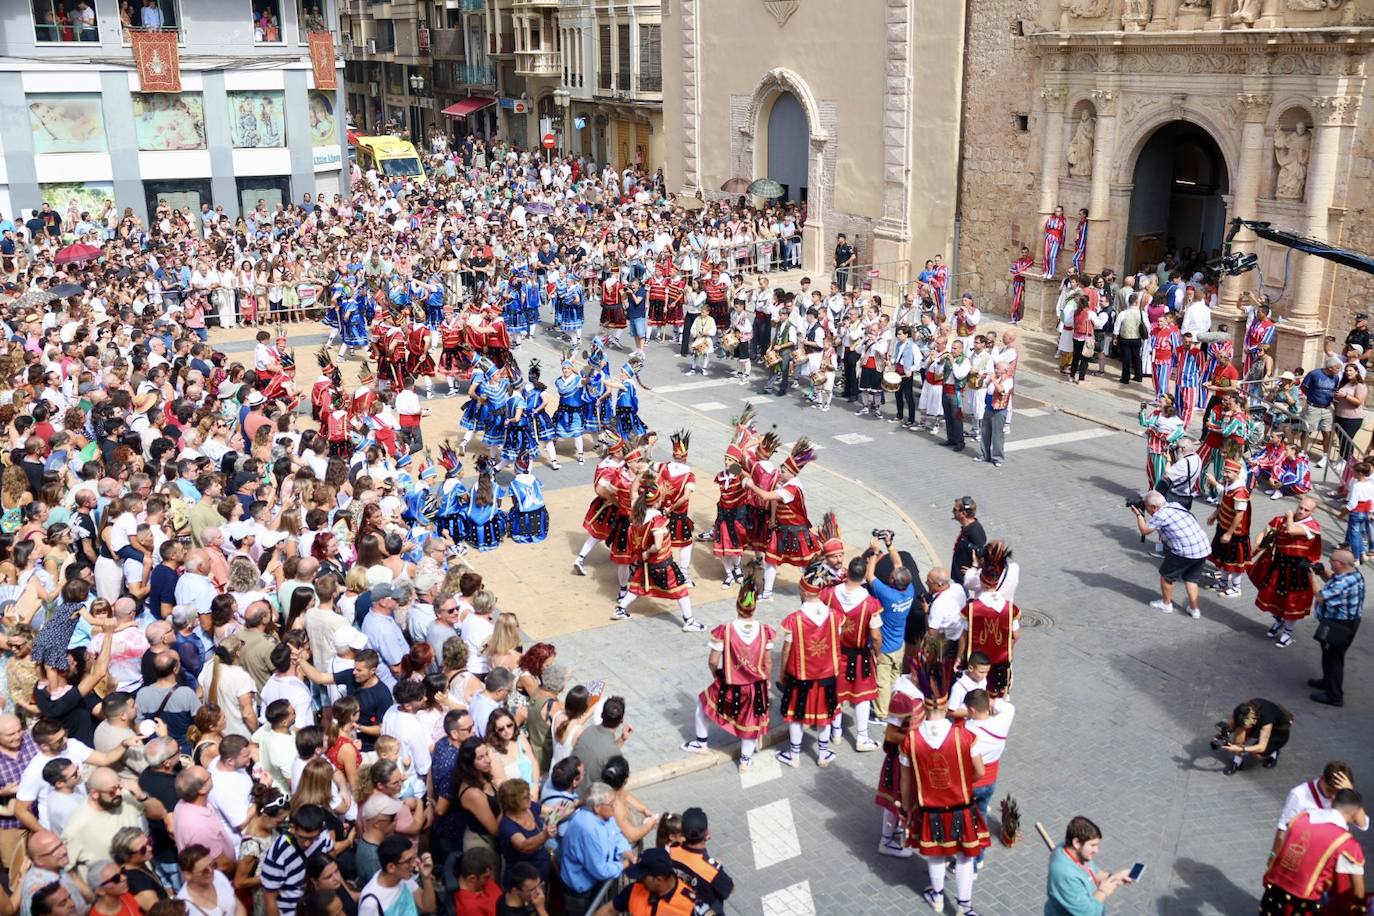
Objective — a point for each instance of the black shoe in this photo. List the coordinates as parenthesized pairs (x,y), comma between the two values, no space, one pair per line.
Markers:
(1231,768)
(1271,760)
(1327,699)
(645,386)
(1318,682)
(958,448)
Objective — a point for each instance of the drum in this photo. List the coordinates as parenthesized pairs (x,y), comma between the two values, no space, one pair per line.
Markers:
(729,341)
(891,381)
(975,380)
(820,379)
(701,344)
(771,358)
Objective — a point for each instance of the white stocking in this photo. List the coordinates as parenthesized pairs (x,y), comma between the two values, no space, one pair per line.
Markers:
(684,604)
(747,746)
(963,878)
(553,453)
(684,560)
(889,826)
(861,713)
(935,867)
(703,724)
(770,575)
(622,574)
(794,735)
(587,546)
(577,445)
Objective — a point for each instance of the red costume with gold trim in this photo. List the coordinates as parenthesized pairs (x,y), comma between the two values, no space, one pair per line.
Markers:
(419,361)
(991,621)
(1305,867)
(790,538)
(1232,556)
(452,335)
(674,479)
(905,710)
(618,539)
(737,700)
(658,300)
(731,528)
(945,821)
(600,512)
(653,571)
(857,680)
(809,690)
(612,307)
(1280,569)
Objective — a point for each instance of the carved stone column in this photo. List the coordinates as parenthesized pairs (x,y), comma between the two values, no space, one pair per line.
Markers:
(1333,113)
(814,253)
(1220,10)
(1104,156)
(1053,164)
(1245,196)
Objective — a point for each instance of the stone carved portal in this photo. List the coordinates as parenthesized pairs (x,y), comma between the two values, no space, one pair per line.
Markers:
(1182,160)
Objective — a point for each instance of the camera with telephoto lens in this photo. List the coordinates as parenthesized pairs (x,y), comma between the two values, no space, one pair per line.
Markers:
(1222,737)
(885,535)
(1137,503)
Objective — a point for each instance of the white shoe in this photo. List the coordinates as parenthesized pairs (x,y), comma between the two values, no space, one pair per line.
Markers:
(825,758)
(788,759)
(1275,494)
(695,746)
(1284,641)
(863,744)
(692,625)
(1161,605)
(1195,613)
(888,848)
(935,901)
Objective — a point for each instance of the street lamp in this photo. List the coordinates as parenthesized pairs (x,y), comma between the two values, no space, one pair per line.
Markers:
(417,83)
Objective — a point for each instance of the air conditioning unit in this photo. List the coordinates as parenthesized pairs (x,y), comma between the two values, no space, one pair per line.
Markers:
(372,46)
(373,89)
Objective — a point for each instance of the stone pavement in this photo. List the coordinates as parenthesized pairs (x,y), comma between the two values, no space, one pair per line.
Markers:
(1115,701)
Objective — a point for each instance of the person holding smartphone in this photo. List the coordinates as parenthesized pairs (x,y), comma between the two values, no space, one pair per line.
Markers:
(1075,886)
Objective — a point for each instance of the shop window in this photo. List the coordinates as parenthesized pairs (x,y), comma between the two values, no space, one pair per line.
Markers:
(267,21)
(59,21)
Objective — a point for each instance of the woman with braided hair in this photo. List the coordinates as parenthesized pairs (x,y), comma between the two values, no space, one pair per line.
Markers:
(653,571)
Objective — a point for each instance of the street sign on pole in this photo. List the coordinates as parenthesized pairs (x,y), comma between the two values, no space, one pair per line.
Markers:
(550,141)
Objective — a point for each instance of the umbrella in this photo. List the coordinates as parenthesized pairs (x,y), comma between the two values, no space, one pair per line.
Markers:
(735,186)
(690,203)
(76,253)
(766,188)
(34,297)
(539,208)
(67,289)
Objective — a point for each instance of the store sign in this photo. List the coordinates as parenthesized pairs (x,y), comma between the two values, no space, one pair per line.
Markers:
(327,158)
(516,106)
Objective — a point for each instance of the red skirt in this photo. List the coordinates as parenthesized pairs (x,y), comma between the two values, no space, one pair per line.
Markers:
(889,794)
(662,579)
(857,681)
(809,702)
(756,521)
(937,832)
(618,540)
(1233,557)
(597,521)
(613,316)
(740,709)
(658,309)
(1283,584)
(422,365)
(731,531)
(680,529)
(1278,902)
(793,545)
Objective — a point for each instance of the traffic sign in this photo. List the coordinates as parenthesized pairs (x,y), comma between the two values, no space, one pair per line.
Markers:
(550,141)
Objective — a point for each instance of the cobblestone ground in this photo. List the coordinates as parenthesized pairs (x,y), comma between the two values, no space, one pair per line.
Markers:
(1115,700)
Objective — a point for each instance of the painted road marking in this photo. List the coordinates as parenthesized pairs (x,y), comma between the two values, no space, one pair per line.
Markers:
(773,834)
(765,768)
(710,405)
(790,901)
(1032,412)
(852,438)
(692,386)
(1057,439)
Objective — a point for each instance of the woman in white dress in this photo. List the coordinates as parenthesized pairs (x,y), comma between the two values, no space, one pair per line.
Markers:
(569,722)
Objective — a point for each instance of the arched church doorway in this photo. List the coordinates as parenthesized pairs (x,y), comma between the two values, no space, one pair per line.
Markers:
(788,144)
(1176,198)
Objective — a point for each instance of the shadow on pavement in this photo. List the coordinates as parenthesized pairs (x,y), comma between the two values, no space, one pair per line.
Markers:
(1204,884)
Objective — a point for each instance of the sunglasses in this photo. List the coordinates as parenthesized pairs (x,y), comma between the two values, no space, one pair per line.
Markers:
(114,879)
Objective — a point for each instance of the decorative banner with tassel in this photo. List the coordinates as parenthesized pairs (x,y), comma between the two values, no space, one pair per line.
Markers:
(322,59)
(158,59)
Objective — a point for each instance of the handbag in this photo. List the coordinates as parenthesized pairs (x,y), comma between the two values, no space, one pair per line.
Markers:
(1334,634)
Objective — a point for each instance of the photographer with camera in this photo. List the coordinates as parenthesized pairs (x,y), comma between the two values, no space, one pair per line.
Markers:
(1186,548)
(1183,477)
(1257,728)
(1339,605)
(896,592)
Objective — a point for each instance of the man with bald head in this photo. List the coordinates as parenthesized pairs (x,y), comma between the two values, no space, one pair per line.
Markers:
(257,645)
(194,587)
(1339,607)
(17,748)
(50,862)
(108,808)
(212,539)
(196,822)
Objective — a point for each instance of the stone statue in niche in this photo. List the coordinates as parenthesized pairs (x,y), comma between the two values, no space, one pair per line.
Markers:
(1291,150)
(1136,15)
(1080,154)
(1245,12)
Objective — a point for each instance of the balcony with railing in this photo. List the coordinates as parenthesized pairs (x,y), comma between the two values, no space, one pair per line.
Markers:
(537,4)
(502,45)
(478,74)
(539,63)
(473,6)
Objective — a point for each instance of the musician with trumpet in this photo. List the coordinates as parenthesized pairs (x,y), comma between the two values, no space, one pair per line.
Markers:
(980,375)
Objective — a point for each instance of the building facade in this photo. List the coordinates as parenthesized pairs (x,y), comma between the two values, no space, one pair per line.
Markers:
(249,124)
(853,107)
(392,65)
(1165,120)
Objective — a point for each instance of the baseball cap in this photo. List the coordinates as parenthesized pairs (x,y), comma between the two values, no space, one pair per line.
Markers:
(346,637)
(383,590)
(654,862)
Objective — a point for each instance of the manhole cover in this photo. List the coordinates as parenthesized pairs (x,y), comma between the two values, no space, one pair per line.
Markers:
(1036,619)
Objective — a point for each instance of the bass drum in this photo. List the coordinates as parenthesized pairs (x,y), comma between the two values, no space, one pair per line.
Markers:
(891,381)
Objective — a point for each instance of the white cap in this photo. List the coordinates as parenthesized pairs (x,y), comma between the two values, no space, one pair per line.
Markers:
(347,637)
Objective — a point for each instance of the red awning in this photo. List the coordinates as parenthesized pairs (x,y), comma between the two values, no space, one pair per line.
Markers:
(465,107)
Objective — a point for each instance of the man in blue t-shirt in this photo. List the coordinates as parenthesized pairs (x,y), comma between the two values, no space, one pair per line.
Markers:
(1319,387)
(897,595)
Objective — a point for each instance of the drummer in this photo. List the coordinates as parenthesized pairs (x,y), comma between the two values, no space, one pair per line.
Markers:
(738,338)
(813,342)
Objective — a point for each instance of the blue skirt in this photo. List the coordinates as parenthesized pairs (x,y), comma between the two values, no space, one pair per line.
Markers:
(330,318)
(570,317)
(543,426)
(355,332)
(529,527)
(628,424)
(486,536)
(516,322)
(568,421)
(518,441)
(473,414)
(599,415)
(494,426)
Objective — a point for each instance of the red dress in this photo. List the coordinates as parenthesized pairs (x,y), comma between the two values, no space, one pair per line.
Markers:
(612,311)
(737,700)
(673,479)
(790,538)
(809,693)
(945,821)
(857,681)
(657,575)
(731,528)
(1232,556)
(905,702)
(419,361)
(759,515)
(597,521)
(618,539)
(991,624)
(1280,569)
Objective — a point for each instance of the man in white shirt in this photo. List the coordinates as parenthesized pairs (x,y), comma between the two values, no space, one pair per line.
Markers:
(975,677)
(945,605)
(989,721)
(1197,319)
(231,792)
(51,738)
(401,723)
(286,684)
(1316,795)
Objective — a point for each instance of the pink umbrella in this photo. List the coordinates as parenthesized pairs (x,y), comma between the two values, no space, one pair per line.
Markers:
(76,253)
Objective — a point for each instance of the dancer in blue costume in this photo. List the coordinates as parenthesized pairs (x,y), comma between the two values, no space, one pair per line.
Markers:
(569,418)
(484,524)
(513,305)
(451,494)
(495,391)
(474,411)
(627,421)
(528,516)
(355,319)
(569,309)
(598,413)
(333,312)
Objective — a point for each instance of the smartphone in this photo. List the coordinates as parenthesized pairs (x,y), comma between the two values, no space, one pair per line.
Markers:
(1137,870)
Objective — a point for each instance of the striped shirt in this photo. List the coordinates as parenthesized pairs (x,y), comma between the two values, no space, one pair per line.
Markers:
(1342,597)
(283,869)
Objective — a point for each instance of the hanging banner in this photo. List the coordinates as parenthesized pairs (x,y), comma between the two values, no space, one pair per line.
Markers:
(158,60)
(322,59)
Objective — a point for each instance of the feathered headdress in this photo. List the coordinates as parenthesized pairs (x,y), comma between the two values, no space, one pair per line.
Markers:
(448,459)
(533,371)
(281,338)
(682,441)
(928,668)
(737,452)
(830,534)
(327,367)
(767,444)
(288,361)
(747,601)
(649,490)
(613,442)
(813,580)
(365,373)
(802,455)
(486,467)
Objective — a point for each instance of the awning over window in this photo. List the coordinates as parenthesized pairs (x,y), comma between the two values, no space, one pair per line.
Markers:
(465,107)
